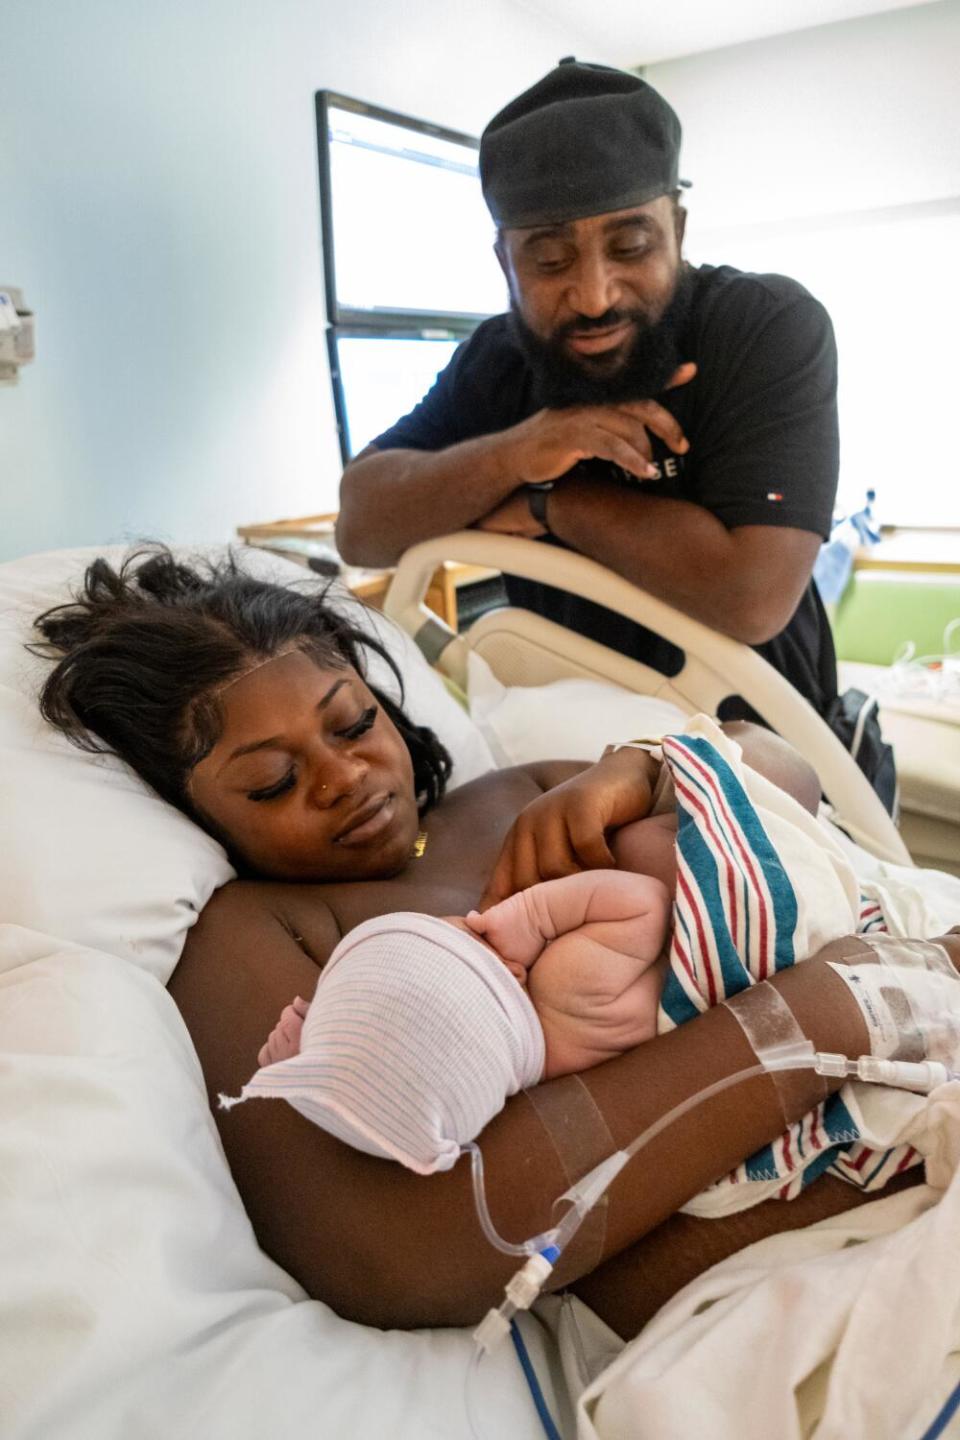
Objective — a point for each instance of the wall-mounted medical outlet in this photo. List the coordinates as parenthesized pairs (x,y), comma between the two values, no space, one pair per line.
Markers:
(17,336)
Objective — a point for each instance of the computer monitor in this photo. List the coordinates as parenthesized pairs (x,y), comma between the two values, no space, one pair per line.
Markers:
(406,235)
(379,376)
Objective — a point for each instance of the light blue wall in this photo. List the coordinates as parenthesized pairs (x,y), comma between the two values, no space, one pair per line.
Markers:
(158,205)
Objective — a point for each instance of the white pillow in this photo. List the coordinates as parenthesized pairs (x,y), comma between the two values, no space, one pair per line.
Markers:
(565,720)
(87,851)
(135,1300)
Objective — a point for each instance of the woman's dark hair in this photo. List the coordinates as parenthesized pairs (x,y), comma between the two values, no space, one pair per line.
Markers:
(144,651)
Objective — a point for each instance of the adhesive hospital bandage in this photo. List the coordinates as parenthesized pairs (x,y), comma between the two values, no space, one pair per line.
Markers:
(581,1138)
(908,993)
(774,1036)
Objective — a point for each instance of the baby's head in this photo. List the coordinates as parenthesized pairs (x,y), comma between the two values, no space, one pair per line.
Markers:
(414,1039)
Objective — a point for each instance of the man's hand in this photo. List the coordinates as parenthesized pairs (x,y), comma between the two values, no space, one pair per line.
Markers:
(512,517)
(551,442)
(565,829)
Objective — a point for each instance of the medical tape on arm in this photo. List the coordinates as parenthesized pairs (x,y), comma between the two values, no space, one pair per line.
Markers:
(775,1037)
(581,1139)
(908,993)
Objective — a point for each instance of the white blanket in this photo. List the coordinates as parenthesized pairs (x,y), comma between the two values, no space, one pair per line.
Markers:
(135,1303)
(847,1330)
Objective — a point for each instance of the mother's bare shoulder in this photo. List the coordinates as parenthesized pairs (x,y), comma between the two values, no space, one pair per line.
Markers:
(255,946)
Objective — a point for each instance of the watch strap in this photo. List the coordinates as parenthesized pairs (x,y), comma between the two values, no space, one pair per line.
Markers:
(537,501)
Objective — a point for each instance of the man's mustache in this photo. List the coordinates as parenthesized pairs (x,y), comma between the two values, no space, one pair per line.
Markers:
(584,324)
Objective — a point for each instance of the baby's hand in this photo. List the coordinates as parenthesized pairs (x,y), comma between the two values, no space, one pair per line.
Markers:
(485,925)
(509,928)
(496,928)
(284,1039)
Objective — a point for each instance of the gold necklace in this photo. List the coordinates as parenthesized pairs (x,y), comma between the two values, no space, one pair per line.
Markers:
(420,844)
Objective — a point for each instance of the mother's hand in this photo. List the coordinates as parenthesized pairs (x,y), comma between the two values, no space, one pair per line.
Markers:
(565,829)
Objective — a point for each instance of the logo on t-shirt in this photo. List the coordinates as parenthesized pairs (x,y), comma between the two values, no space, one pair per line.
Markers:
(667,467)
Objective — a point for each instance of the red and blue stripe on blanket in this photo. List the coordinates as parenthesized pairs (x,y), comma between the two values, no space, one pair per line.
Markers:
(748,905)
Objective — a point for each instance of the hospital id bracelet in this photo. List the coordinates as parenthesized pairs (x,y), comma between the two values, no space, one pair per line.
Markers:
(537,501)
(653,744)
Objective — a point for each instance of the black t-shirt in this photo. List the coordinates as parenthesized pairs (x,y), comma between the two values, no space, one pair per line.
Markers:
(761,420)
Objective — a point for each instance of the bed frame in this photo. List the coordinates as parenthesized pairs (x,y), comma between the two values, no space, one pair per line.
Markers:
(526,649)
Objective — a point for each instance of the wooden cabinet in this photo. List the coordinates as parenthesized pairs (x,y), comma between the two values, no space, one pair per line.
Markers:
(308,535)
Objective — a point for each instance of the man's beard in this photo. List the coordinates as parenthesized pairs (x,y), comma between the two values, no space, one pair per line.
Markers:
(653,356)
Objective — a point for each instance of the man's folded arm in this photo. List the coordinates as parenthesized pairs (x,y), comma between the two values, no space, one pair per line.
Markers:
(746,582)
(392,499)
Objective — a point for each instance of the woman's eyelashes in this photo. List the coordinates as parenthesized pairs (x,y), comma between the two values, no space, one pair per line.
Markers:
(287,781)
(361,727)
(272,791)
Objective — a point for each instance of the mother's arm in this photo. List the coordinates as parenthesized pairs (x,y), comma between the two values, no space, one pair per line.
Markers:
(389,1248)
(567,827)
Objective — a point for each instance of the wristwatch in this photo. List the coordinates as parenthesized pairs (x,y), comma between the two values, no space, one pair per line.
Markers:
(537,501)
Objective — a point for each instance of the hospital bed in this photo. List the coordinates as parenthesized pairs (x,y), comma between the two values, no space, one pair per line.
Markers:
(135,1301)
(528,649)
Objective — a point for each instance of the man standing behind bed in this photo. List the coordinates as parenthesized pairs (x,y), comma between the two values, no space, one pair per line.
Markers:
(684,418)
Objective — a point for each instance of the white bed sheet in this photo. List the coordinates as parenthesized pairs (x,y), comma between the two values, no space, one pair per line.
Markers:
(847,1330)
(135,1301)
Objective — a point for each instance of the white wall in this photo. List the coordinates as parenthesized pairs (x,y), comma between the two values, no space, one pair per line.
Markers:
(158,204)
(852,116)
(834,155)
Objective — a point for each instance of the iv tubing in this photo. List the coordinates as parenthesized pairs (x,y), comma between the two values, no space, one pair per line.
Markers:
(922,1077)
(552,1237)
(543,1250)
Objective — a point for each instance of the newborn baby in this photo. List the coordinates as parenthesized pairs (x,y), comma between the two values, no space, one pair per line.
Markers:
(420,1028)
(589,950)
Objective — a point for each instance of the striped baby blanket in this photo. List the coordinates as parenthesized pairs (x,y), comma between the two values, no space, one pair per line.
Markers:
(760,886)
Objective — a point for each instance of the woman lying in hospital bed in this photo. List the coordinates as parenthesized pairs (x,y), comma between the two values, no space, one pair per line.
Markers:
(417,1034)
(422,1008)
(244,705)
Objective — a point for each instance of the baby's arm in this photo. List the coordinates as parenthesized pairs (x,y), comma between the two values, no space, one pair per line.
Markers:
(284,1038)
(519,927)
(597,986)
(625,915)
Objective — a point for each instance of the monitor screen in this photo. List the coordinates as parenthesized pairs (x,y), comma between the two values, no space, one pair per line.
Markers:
(406,232)
(377,378)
